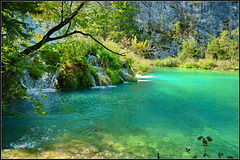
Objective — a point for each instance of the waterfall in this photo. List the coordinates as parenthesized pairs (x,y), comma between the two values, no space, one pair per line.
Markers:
(92,60)
(121,78)
(125,75)
(104,80)
(46,82)
(133,72)
(94,81)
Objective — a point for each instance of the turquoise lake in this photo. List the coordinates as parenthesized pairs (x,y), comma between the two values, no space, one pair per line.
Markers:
(164,112)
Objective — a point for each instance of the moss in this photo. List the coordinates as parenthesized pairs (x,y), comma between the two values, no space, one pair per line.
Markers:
(72,76)
(122,75)
(19,153)
(132,79)
(36,68)
(113,75)
(89,78)
(104,82)
(51,58)
(130,71)
(95,75)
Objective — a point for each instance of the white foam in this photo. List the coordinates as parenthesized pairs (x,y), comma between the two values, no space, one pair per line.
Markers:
(142,80)
(102,87)
(139,76)
(49,90)
(23,145)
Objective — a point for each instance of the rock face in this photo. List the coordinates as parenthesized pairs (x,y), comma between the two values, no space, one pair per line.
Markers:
(211,18)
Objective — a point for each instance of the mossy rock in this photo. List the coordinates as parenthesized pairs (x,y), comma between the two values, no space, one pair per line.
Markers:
(104,81)
(133,79)
(122,75)
(113,75)
(130,71)
(95,75)
(74,76)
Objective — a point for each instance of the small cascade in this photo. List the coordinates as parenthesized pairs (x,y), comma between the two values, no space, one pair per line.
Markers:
(125,75)
(54,79)
(104,80)
(94,81)
(46,82)
(133,72)
(92,60)
(121,78)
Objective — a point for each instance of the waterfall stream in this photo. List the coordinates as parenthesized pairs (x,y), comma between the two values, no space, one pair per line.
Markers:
(45,83)
(104,80)
(48,80)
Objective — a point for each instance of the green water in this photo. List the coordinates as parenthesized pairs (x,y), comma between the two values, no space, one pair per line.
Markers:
(164,112)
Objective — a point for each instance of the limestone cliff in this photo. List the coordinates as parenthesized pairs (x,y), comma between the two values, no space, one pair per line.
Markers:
(211,18)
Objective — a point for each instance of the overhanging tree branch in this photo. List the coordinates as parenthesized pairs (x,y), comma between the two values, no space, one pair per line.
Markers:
(70,14)
(99,3)
(85,34)
(145,4)
(46,38)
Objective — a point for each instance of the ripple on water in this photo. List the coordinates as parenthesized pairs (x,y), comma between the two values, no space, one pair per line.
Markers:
(134,120)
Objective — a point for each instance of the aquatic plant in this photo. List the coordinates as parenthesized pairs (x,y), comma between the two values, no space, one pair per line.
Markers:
(205,142)
(220,155)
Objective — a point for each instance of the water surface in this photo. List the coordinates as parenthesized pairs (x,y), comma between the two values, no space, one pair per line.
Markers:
(164,112)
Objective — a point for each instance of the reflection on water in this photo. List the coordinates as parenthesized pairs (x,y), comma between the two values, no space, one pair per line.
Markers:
(162,113)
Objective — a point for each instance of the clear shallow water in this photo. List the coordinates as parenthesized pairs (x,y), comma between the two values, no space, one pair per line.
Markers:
(164,112)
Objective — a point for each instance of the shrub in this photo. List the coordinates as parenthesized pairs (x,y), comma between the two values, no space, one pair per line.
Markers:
(168,62)
(113,75)
(187,65)
(227,65)
(207,64)
(189,50)
(139,47)
(224,47)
